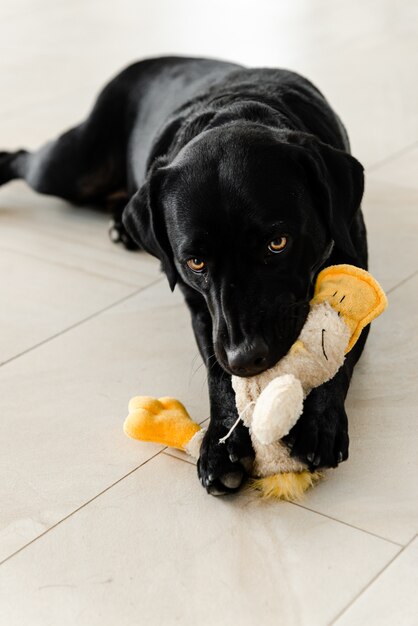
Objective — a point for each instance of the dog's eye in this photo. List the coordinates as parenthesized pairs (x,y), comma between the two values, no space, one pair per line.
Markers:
(277,245)
(196,265)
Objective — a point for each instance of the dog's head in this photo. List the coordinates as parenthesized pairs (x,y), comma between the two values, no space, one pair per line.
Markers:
(246,216)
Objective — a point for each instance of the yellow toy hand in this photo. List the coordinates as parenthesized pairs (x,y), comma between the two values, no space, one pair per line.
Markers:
(162,420)
(353,293)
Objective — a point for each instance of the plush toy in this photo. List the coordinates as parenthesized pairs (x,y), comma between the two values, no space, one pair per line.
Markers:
(346,299)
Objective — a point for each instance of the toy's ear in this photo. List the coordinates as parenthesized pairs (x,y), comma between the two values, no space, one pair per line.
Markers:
(143,218)
(338,184)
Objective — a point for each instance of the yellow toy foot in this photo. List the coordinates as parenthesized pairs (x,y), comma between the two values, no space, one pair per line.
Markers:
(289,486)
(162,420)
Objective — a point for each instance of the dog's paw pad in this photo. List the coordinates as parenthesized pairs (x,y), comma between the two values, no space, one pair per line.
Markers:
(232,480)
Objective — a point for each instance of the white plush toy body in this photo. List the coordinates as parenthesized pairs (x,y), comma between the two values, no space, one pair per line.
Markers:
(279,392)
(346,299)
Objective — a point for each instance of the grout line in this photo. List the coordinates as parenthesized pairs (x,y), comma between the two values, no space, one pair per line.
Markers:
(371,581)
(82,321)
(405,280)
(71,237)
(82,506)
(339,521)
(391,157)
(67,266)
(173,456)
(166,451)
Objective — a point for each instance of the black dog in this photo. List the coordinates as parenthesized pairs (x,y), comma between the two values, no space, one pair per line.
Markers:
(240,181)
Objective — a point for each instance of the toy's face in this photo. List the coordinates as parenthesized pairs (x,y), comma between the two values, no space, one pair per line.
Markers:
(245,235)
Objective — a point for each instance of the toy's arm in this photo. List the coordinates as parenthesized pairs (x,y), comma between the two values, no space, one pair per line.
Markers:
(164,421)
(353,293)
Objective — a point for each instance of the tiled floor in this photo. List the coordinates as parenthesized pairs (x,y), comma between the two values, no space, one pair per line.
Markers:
(96,529)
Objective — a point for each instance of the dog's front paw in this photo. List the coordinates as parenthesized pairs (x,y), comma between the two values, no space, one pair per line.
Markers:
(224,467)
(320,437)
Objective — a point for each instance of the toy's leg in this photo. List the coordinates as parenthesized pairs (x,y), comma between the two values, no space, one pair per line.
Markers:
(320,437)
(222,467)
(288,486)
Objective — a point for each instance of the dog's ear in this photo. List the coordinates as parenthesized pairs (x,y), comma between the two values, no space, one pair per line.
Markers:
(338,186)
(143,218)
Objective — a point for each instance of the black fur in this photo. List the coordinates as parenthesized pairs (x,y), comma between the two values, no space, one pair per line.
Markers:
(218,161)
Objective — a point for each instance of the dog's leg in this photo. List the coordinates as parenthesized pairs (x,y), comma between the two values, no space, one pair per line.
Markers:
(222,467)
(84,165)
(320,437)
(72,167)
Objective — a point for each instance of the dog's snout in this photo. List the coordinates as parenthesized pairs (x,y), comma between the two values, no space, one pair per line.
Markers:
(248,359)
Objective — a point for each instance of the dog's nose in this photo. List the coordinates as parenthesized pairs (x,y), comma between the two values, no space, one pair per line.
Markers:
(248,359)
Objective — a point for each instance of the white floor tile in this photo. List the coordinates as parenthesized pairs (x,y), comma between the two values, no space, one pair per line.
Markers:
(63,406)
(392,598)
(290,32)
(327,42)
(40,299)
(390,209)
(156,549)
(376,489)
(179,454)
(369,85)
(51,229)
